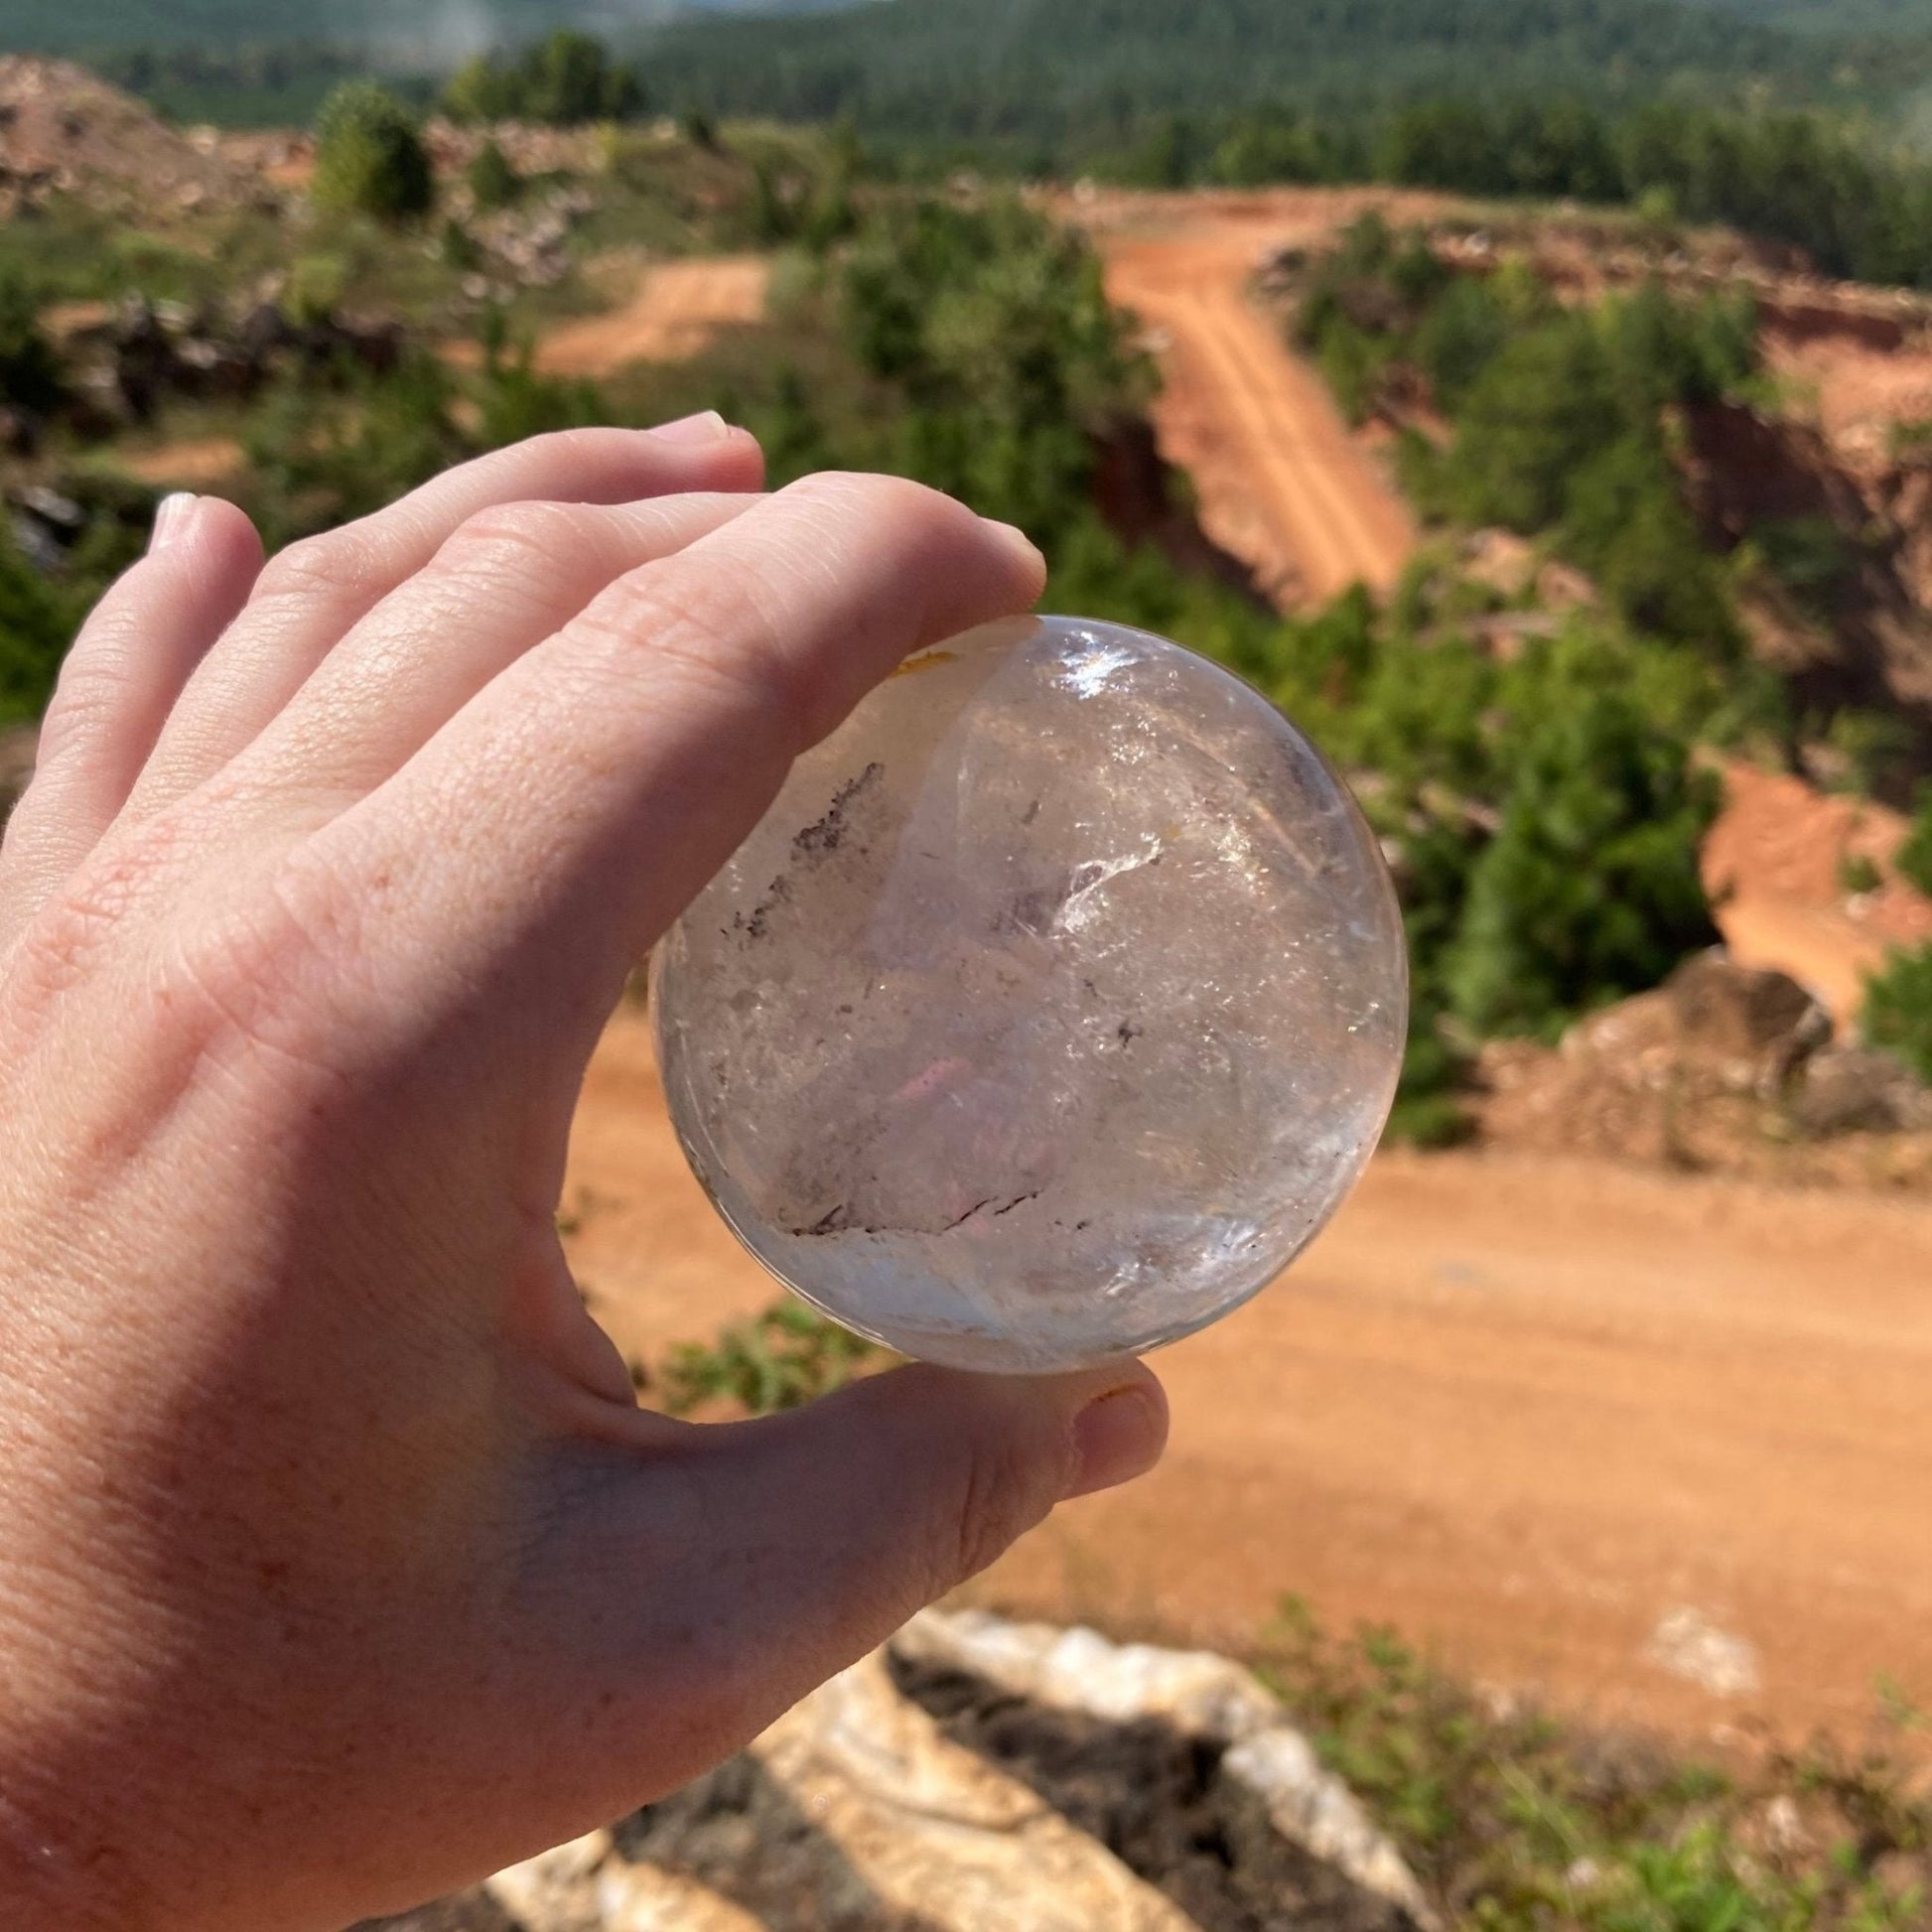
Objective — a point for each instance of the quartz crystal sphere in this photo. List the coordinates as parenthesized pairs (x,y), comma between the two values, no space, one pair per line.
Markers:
(1053,1009)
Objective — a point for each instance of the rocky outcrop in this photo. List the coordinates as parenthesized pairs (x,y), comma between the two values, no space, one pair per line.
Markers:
(1851,1090)
(1723,1069)
(981,1776)
(64,132)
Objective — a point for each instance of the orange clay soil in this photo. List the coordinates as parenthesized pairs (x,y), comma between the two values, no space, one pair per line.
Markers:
(1560,1422)
(1774,865)
(676,309)
(1283,483)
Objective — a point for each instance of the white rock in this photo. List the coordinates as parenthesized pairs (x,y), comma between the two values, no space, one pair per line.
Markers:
(1201,1695)
(934,1830)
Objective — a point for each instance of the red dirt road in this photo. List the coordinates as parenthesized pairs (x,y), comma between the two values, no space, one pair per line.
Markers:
(1532,1413)
(1284,484)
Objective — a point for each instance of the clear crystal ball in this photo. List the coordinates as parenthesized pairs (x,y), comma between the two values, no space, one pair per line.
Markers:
(1050,1013)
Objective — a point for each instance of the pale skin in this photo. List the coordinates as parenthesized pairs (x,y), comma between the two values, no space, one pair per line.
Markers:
(338,1564)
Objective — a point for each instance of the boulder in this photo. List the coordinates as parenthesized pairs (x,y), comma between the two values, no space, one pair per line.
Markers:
(1714,1026)
(1853,1091)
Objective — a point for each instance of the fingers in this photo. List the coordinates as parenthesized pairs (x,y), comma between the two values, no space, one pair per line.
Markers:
(315,591)
(510,578)
(816,1535)
(563,819)
(122,678)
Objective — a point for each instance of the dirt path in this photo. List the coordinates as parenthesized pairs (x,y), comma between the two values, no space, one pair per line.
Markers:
(1283,483)
(204,464)
(1774,865)
(1586,1431)
(675,311)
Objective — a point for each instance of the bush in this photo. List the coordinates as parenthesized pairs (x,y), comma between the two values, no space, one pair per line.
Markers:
(493,180)
(781,1360)
(1515,1820)
(370,158)
(34,627)
(1915,859)
(1899,1009)
(1591,890)
(30,372)
(565,81)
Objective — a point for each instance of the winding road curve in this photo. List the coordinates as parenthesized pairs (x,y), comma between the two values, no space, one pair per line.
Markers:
(1283,481)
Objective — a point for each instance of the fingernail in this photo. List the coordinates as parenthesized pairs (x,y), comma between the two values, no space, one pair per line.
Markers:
(1018,541)
(1117,1439)
(171,521)
(705,426)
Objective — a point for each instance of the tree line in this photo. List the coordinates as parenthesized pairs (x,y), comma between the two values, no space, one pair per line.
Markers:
(1859,205)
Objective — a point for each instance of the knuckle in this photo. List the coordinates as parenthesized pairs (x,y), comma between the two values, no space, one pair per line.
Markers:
(316,567)
(68,936)
(265,978)
(861,494)
(87,698)
(516,534)
(712,631)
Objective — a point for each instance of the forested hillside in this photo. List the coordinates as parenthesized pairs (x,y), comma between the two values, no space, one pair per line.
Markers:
(88,26)
(1041,69)
(1881,16)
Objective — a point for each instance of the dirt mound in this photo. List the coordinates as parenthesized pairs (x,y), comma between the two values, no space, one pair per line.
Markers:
(64,132)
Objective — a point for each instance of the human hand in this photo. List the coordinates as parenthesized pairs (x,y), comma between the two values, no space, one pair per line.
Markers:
(339,1567)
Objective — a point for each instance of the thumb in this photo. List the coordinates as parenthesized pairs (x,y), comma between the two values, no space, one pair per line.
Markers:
(804,1541)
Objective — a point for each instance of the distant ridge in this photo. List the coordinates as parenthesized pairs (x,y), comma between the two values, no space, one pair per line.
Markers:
(451,27)
(1034,68)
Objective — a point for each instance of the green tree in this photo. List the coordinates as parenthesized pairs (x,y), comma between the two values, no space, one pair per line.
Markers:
(30,371)
(570,78)
(1914,860)
(481,89)
(370,158)
(493,180)
(36,626)
(1590,891)
(567,79)
(1899,1009)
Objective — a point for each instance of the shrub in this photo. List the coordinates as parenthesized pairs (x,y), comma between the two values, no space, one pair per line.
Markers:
(1899,1009)
(493,180)
(781,1360)
(1914,861)
(1859,875)
(34,627)
(370,158)
(30,372)
(567,79)
(1591,890)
